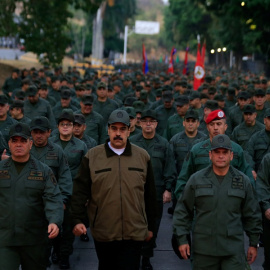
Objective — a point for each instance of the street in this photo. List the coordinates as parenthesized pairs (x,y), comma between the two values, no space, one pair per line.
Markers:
(84,256)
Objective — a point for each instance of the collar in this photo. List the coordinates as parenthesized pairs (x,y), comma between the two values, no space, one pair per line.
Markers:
(110,153)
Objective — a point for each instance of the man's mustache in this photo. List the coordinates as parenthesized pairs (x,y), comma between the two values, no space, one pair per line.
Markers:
(117,138)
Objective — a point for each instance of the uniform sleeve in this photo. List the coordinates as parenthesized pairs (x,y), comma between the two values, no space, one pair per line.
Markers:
(251,216)
(244,167)
(186,171)
(250,147)
(183,214)
(51,117)
(53,204)
(64,178)
(150,198)
(169,172)
(262,183)
(81,192)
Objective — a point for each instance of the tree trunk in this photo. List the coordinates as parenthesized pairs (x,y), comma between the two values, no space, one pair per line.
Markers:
(98,40)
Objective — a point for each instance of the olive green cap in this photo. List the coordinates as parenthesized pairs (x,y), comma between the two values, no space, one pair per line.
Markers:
(221,141)
(21,130)
(40,122)
(119,116)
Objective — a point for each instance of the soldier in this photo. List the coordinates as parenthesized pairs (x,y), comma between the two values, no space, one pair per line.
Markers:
(5,120)
(164,111)
(55,88)
(16,111)
(44,93)
(103,105)
(225,207)
(230,97)
(242,133)
(209,106)
(74,150)
(164,172)
(12,83)
(198,159)
(175,122)
(95,127)
(65,103)
(53,156)
(79,131)
(195,102)
(182,142)
(259,143)
(32,209)
(117,180)
(263,194)
(132,121)
(259,102)
(236,112)
(36,106)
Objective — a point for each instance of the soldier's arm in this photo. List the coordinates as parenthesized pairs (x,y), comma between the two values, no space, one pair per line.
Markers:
(64,178)
(263,185)
(53,205)
(251,215)
(51,118)
(81,192)
(186,171)
(169,172)
(183,214)
(244,167)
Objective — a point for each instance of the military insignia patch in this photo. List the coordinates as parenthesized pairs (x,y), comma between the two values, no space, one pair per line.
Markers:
(18,128)
(35,175)
(220,114)
(4,174)
(221,140)
(120,115)
(237,182)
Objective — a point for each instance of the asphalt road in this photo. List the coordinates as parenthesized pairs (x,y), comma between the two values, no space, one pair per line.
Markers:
(84,256)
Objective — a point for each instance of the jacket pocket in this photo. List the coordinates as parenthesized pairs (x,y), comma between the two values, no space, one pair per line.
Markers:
(103,170)
(204,199)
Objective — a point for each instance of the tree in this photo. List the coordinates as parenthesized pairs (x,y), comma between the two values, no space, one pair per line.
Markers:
(42,27)
(7,24)
(184,20)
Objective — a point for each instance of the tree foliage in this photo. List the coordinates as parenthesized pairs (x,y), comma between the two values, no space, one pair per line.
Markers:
(240,26)
(42,27)
(115,19)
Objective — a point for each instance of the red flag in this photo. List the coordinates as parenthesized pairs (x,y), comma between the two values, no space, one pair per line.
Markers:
(170,68)
(199,70)
(186,61)
(145,68)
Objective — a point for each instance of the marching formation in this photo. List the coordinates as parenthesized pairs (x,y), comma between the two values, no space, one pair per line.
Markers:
(108,151)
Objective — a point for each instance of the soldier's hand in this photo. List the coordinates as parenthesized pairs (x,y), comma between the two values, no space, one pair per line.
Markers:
(267,214)
(4,155)
(79,229)
(53,230)
(167,196)
(254,174)
(150,235)
(251,254)
(185,251)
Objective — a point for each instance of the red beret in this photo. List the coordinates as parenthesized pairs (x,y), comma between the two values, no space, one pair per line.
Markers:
(215,115)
